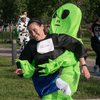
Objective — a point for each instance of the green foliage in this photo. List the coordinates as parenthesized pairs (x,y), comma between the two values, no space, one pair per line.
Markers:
(9,10)
(45,19)
(89,8)
(37,8)
(95,6)
(12,9)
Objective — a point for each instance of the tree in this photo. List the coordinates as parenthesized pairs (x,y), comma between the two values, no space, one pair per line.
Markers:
(12,9)
(37,8)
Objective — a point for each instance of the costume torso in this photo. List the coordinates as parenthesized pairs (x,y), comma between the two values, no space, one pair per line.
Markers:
(56,47)
(45,50)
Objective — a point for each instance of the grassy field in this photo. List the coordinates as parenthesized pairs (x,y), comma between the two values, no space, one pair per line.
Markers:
(13,87)
(6,35)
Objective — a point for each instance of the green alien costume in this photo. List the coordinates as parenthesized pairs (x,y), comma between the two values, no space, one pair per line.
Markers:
(65,20)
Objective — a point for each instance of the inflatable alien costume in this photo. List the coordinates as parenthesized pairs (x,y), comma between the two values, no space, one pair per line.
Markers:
(65,20)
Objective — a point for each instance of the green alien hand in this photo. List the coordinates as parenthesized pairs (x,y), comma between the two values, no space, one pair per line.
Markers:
(50,67)
(27,68)
(65,60)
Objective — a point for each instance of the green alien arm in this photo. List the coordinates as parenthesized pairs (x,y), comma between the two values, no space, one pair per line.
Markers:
(66,59)
(27,68)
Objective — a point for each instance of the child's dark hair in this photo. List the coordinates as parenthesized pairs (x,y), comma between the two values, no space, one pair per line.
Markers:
(37,20)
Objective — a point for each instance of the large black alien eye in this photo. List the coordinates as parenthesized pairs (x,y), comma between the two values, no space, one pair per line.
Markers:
(55,15)
(65,14)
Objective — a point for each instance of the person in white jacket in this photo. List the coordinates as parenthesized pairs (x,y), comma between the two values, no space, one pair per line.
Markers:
(23,37)
(27,18)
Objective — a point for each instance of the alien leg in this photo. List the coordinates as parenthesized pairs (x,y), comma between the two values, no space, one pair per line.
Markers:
(71,76)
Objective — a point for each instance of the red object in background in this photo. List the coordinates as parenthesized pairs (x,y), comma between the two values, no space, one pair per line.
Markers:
(88,49)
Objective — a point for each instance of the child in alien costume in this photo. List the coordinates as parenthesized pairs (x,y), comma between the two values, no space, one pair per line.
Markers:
(65,20)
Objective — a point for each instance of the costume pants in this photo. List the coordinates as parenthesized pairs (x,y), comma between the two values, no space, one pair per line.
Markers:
(96,48)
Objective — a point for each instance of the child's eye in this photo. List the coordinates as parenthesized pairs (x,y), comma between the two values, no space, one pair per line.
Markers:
(34,30)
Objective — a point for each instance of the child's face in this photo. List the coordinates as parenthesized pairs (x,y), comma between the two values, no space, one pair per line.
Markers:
(23,19)
(36,31)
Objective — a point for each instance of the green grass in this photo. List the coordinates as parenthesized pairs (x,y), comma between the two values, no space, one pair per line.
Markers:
(13,87)
(6,35)
(88,89)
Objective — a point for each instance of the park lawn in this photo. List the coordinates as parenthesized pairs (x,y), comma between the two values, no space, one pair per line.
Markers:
(13,87)
(6,35)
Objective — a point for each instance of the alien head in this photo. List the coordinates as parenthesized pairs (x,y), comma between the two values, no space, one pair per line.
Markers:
(66,20)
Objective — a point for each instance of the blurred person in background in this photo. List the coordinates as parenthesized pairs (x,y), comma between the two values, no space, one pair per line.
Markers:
(27,19)
(23,37)
(94,29)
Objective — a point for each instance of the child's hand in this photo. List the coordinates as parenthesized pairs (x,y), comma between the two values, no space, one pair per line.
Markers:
(18,71)
(85,71)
